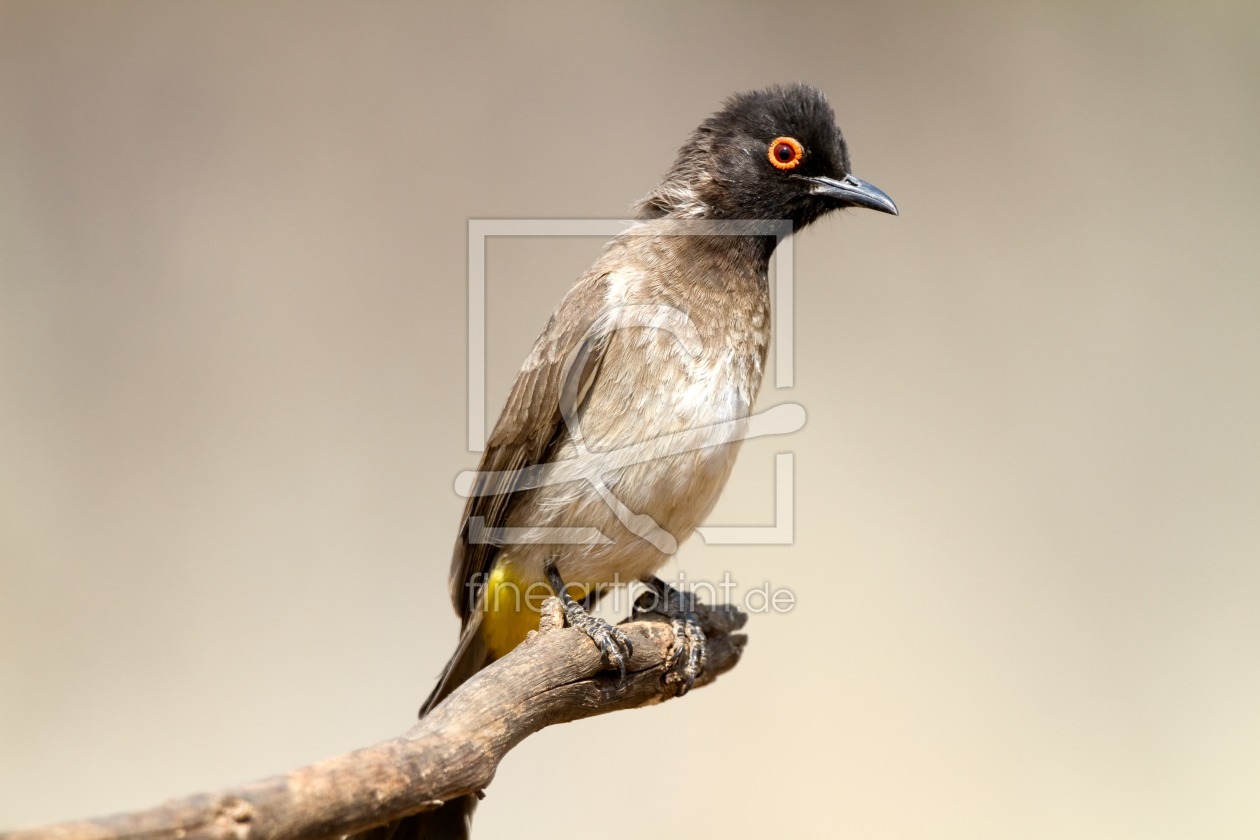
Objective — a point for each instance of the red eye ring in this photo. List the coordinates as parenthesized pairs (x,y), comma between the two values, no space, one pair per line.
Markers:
(786,152)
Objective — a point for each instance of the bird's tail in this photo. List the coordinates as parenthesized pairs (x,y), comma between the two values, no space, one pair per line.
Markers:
(469,657)
(453,820)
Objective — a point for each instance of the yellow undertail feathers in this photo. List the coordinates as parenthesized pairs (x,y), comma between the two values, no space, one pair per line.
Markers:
(512,605)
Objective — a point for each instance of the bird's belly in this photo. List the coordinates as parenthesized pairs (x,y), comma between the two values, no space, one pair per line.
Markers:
(638,478)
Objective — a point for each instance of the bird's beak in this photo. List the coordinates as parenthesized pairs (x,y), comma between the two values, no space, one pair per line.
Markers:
(853,191)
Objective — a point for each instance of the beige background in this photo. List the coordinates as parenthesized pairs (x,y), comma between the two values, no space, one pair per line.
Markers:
(232,390)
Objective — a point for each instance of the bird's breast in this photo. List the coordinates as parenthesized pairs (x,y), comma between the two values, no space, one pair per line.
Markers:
(678,359)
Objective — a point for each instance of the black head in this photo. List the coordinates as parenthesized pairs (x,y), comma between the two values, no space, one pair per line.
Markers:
(768,154)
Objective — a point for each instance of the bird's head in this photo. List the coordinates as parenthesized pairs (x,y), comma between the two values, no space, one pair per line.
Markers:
(768,154)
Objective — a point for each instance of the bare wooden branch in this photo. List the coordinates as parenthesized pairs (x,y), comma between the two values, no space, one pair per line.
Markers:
(553,677)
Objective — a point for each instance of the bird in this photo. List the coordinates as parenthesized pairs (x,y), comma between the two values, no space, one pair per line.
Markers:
(625,419)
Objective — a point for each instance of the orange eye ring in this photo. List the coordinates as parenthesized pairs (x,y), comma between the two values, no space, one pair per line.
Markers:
(786,152)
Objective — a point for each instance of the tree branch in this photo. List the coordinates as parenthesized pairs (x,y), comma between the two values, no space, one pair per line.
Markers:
(553,677)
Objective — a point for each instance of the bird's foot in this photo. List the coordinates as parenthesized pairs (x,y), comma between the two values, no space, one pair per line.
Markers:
(686,659)
(613,644)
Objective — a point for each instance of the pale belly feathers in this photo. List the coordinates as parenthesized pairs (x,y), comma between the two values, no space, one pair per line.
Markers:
(654,445)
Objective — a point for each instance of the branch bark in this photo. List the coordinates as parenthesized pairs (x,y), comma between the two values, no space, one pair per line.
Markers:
(555,676)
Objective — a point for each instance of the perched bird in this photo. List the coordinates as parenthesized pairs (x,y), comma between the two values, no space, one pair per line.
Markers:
(626,418)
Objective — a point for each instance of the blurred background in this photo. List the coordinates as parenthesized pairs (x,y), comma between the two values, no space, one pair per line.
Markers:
(1027,499)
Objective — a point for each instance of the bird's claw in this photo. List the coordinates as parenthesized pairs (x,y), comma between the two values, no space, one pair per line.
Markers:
(613,644)
(688,654)
(687,658)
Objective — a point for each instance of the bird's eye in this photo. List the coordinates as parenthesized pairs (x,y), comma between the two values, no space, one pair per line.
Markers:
(786,152)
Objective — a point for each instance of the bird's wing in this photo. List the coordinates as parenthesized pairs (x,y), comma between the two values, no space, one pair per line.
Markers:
(564,363)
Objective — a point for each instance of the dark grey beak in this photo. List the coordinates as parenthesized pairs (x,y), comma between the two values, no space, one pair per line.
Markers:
(853,191)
